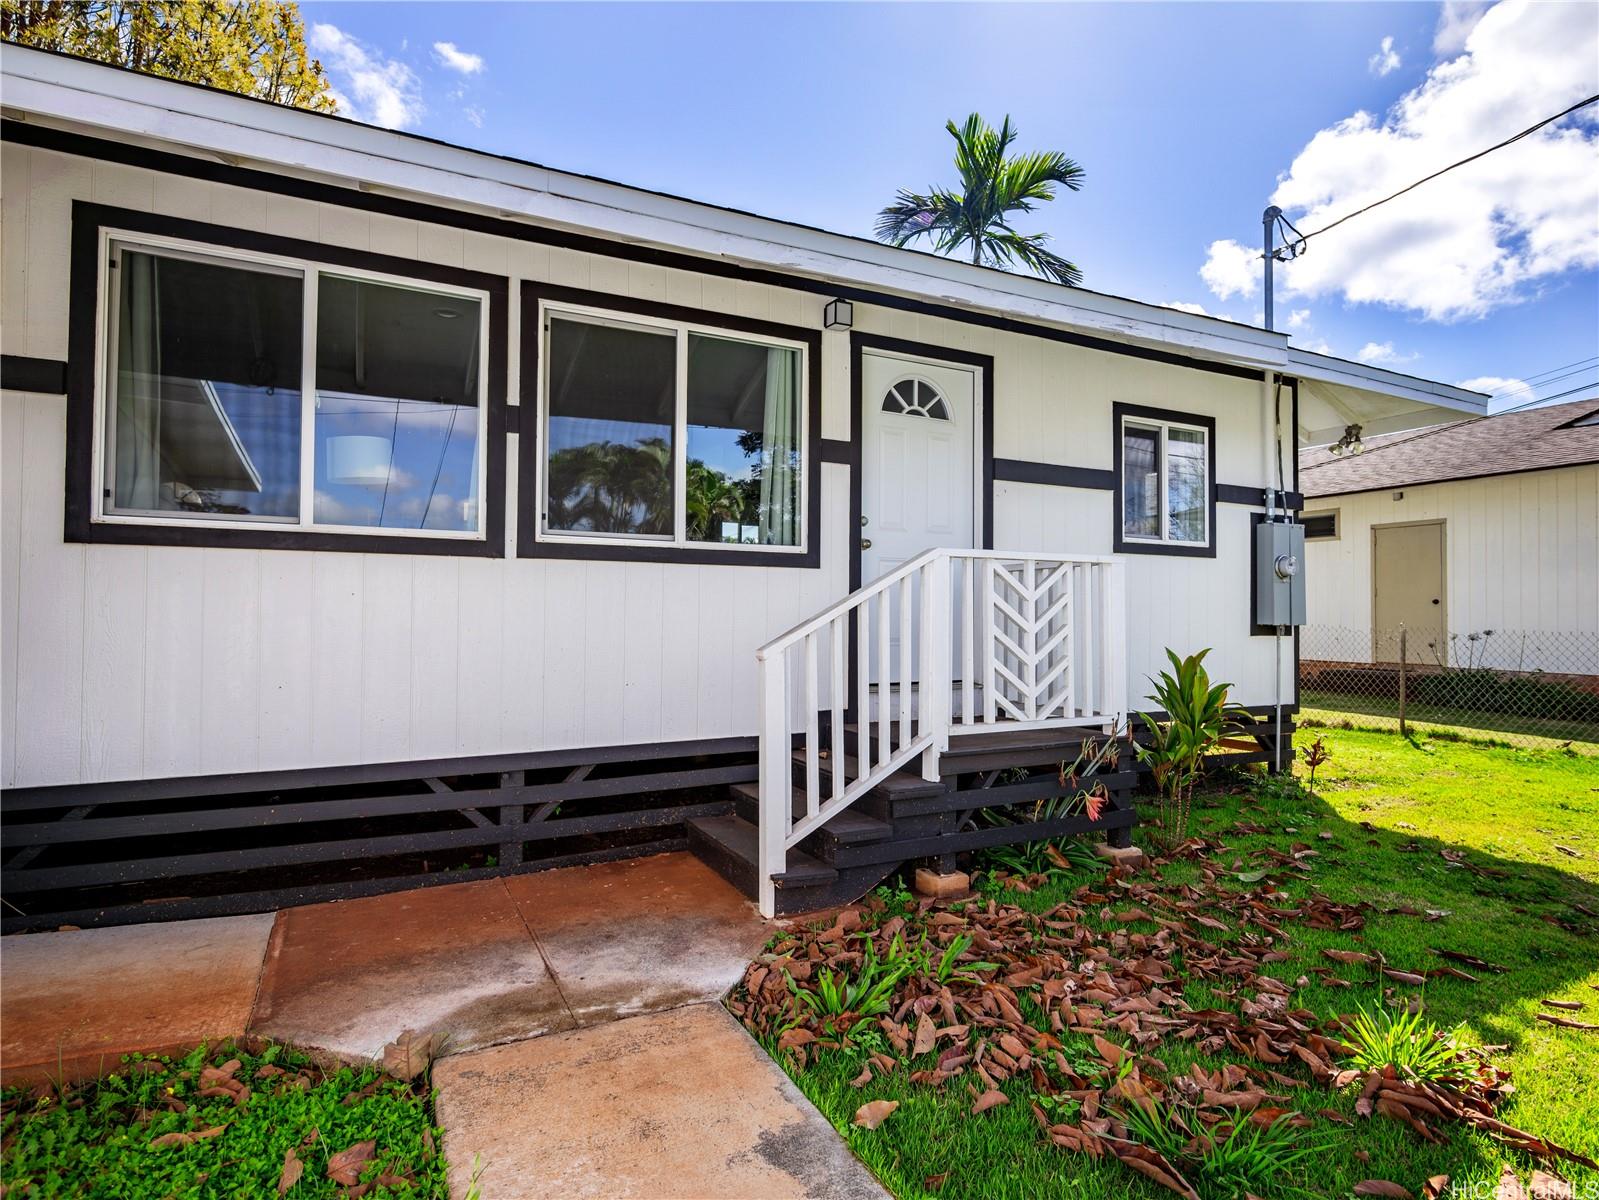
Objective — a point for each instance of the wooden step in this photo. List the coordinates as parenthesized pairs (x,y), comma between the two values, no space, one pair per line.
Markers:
(901,785)
(848,828)
(735,840)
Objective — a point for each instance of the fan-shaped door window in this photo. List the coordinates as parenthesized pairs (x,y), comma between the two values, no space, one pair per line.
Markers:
(916,398)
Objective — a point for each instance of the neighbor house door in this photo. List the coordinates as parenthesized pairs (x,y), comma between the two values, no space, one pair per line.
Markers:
(918,464)
(1407,591)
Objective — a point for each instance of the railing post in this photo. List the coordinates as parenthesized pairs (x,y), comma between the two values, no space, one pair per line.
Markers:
(1113,629)
(776,788)
(934,692)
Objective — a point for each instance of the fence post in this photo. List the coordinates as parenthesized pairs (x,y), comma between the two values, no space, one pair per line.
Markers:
(1402,682)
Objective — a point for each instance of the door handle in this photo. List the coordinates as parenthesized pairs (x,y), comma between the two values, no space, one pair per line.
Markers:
(866,543)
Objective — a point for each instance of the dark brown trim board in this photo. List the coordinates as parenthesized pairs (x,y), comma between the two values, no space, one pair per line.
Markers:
(44,376)
(1121,545)
(1016,471)
(860,342)
(528,516)
(24,134)
(83,355)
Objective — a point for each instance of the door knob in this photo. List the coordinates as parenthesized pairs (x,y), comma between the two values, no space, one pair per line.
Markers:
(866,543)
(1435,602)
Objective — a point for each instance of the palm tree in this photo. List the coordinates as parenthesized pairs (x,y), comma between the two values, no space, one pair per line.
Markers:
(992,187)
(711,498)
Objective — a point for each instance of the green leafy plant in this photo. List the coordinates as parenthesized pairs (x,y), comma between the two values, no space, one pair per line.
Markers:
(1406,1041)
(1315,755)
(1197,716)
(868,993)
(948,968)
(1249,1159)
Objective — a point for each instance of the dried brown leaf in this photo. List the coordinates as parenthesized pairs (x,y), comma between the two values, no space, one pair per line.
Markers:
(1381,1187)
(874,1113)
(293,1168)
(408,1055)
(346,1166)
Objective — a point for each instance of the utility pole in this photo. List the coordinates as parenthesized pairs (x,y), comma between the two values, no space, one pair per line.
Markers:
(1268,219)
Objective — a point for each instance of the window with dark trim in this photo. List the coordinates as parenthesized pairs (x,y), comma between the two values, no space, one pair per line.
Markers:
(662,433)
(1165,482)
(228,388)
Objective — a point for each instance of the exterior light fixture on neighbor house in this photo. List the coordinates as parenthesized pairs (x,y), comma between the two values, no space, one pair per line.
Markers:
(359,458)
(839,314)
(1350,443)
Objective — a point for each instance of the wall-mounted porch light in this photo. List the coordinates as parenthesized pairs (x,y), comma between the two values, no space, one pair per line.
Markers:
(839,314)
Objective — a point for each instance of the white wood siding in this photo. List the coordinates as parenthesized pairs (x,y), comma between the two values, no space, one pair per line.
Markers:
(1521,556)
(128,662)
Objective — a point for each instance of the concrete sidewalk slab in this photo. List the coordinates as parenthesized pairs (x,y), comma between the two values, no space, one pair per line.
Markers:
(74,1002)
(638,936)
(674,1104)
(348,977)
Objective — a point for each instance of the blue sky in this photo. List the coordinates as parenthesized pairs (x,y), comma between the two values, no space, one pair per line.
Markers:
(1188,119)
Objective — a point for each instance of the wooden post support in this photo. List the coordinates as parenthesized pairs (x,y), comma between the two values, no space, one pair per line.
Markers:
(1403,732)
(511,814)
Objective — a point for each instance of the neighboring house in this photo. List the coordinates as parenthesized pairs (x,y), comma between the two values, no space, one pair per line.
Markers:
(1480,538)
(354,477)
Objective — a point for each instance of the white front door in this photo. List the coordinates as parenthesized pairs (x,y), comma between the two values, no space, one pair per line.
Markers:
(918,451)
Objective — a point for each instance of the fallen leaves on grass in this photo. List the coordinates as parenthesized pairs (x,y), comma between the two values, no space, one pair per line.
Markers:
(874,1113)
(1566,1022)
(1382,1187)
(346,1166)
(186,1139)
(293,1168)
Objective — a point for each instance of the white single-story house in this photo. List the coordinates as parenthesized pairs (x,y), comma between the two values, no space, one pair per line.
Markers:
(1480,538)
(369,499)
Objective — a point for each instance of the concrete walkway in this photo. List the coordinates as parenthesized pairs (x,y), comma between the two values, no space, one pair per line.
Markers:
(587,1055)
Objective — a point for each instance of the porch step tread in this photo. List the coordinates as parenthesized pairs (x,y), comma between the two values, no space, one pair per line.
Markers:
(901,785)
(739,838)
(848,827)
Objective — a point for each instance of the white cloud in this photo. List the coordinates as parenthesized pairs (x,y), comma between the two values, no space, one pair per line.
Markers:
(1382,354)
(1494,385)
(1199,310)
(457,59)
(1456,20)
(1299,318)
(1231,270)
(1315,346)
(474,115)
(368,86)
(1484,235)
(1386,61)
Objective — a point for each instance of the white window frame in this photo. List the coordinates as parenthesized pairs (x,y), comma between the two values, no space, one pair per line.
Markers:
(1163,470)
(310,271)
(678,540)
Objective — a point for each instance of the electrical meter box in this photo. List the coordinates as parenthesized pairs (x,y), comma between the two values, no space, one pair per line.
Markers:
(1279,573)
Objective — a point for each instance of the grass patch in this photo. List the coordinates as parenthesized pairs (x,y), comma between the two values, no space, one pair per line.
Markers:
(1453,846)
(109,1138)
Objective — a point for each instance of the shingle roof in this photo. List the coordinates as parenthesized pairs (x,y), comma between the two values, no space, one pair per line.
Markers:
(1530,440)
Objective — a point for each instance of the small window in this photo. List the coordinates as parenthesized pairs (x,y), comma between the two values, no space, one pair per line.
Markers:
(1165,483)
(915,398)
(225,405)
(1322,524)
(666,432)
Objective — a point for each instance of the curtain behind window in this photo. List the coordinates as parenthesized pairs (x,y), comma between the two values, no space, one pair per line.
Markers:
(779,522)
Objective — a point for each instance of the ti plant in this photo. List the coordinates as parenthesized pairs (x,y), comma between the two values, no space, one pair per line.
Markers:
(1197,716)
(1315,754)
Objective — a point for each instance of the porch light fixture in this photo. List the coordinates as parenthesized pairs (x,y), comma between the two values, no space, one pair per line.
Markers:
(360,459)
(1350,443)
(839,314)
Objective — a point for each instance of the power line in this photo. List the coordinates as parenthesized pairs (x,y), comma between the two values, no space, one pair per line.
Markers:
(1297,247)
(1581,362)
(1531,386)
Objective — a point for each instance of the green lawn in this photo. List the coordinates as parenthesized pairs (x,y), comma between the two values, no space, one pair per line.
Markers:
(1383,713)
(1506,894)
(158,1128)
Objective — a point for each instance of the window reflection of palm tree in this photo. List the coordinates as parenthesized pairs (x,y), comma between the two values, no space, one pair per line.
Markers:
(711,499)
(611,487)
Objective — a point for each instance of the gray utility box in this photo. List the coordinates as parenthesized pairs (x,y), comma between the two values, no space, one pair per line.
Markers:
(1279,573)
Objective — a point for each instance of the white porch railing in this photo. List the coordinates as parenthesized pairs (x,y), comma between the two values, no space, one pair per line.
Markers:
(952,642)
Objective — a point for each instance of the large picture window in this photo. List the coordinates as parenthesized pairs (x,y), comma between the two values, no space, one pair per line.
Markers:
(246,390)
(668,432)
(1164,469)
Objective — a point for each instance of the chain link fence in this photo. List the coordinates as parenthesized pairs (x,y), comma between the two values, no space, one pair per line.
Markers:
(1530,688)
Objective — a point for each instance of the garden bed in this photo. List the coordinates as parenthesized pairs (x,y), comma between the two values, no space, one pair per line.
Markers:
(1128,1025)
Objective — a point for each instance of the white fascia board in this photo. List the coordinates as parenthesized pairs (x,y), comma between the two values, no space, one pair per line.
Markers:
(1363,378)
(240,131)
